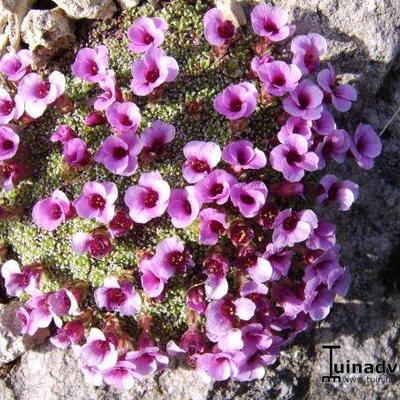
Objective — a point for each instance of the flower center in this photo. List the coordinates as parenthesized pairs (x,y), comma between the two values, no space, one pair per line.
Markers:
(332,192)
(8,144)
(226,30)
(241,234)
(43,90)
(304,100)
(187,207)
(177,259)
(116,297)
(6,171)
(215,267)
(216,227)
(270,26)
(228,309)
(216,189)
(236,105)
(6,107)
(120,152)
(292,157)
(152,75)
(268,215)
(247,261)
(151,199)
(279,80)
(290,223)
(55,211)
(93,68)
(125,120)
(243,157)
(199,166)
(97,201)
(247,199)
(147,39)
(100,245)
(102,345)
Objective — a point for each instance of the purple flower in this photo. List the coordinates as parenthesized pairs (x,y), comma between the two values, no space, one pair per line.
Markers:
(124,117)
(366,146)
(255,338)
(109,95)
(217,29)
(97,201)
(213,223)
(38,94)
(237,101)
(24,317)
(293,227)
(11,173)
(10,109)
(323,237)
(9,142)
(146,32)
(119,153)
(292,158)
(121,224)
(257,62)
(148,199)
(183,207)
(249,197)
(16,281)
(152,279)
(343,193)
(146,361)
(216,267)
(63,134)
(39,314)
(95,118)
(271,22)
(16,65)
(280,260)
(279,78)
(97,244)
(325,124)
(295,125)
(76,153)
(62,302)
(196,299)
(259,269)
(334,145)
(308,50)
(305,101)
(217,366)
(152,71)
(318,299)
(99,351)
(157,135)
(341,96)
(70,334)
(118,296)
(215,186)
(121,375)
(201,158)
(241,154)
(91,64)
(51,212)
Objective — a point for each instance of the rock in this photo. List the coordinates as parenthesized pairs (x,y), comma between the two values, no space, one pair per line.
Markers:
(91,9)
(12,14)
(126,4)
(232,10)
(6,392)
(47,32)
(12,343)
(52,374)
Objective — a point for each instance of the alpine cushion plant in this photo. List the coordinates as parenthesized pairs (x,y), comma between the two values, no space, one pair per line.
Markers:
(169,211)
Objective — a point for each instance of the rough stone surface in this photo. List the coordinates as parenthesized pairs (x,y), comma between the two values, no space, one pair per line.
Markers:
(125,4)
(47,32)
(12,344)
(92,9)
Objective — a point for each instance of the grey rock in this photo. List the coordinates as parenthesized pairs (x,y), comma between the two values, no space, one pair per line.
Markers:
(6,392)
(91,9)
(47,32)
(126,4)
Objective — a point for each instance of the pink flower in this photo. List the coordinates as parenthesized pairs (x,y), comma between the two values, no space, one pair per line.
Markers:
(323,237)
(366,146)
(196,299)
(157,136)
(259,269)
(201,158)
(335,145)
(212,224)
(216,186)
(183,207)
(11,173)
(95,118)
(16,281)
(291,227)
(61,303)
(118,296)
(99,351)
(70,334)
(343,193)
(280,260)
(279,78)
(10,109)
(76,153)
(292,158)
(217,366)
(308,50)
(237,101)
(325,124)
(16,65)
(295,125)
(148,199)
(152,279)
(121,375)
(146,361)
(249,197)
(152,71)
(97,201)
(258,62)
(63,134)
(305,101)
(271,22)
(24,316)
(341,96)
(38,94)
(146,32)
(119,153)
(241,154)
(216,267)
(124,117)
(9,143)
(91,64)
(217,29)
(51,212)
(110,92)
(97,244)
